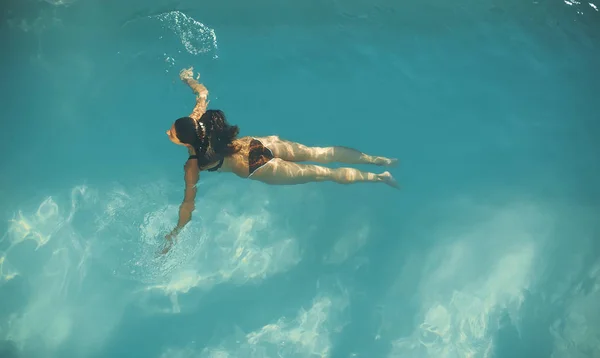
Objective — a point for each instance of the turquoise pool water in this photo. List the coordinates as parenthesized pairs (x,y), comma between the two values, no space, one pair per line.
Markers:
(489,250)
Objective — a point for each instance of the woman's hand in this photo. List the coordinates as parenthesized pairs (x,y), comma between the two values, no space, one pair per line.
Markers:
(187,74)
(167,247)
(170,238)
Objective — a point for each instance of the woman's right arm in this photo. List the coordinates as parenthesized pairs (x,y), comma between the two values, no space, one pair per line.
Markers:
(191,177)
(187,76)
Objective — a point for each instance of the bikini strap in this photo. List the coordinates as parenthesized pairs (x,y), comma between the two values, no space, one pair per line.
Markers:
(217,167)
(213,169)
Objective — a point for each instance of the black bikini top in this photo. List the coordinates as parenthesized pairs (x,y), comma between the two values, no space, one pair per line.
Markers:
(213,169)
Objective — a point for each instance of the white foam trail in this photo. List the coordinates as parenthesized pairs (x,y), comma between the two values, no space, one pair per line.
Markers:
(56,311)
(306,335)
(243,245)
(232,238)
(468,282)
(577,334)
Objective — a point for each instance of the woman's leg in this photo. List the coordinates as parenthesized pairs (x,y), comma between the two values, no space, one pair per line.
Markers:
(281,172)
(296,152)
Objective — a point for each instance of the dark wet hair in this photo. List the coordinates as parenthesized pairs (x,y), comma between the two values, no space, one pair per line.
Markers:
(212,137)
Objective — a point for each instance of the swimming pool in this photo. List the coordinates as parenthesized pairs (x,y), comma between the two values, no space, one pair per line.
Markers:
(490,248)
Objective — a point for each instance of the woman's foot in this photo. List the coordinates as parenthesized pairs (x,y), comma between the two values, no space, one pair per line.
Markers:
(387,178)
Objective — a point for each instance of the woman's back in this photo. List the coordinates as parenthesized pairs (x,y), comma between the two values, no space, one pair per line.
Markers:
(237,162)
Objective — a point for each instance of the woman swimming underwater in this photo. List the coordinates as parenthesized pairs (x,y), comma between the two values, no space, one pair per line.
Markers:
(213,145)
